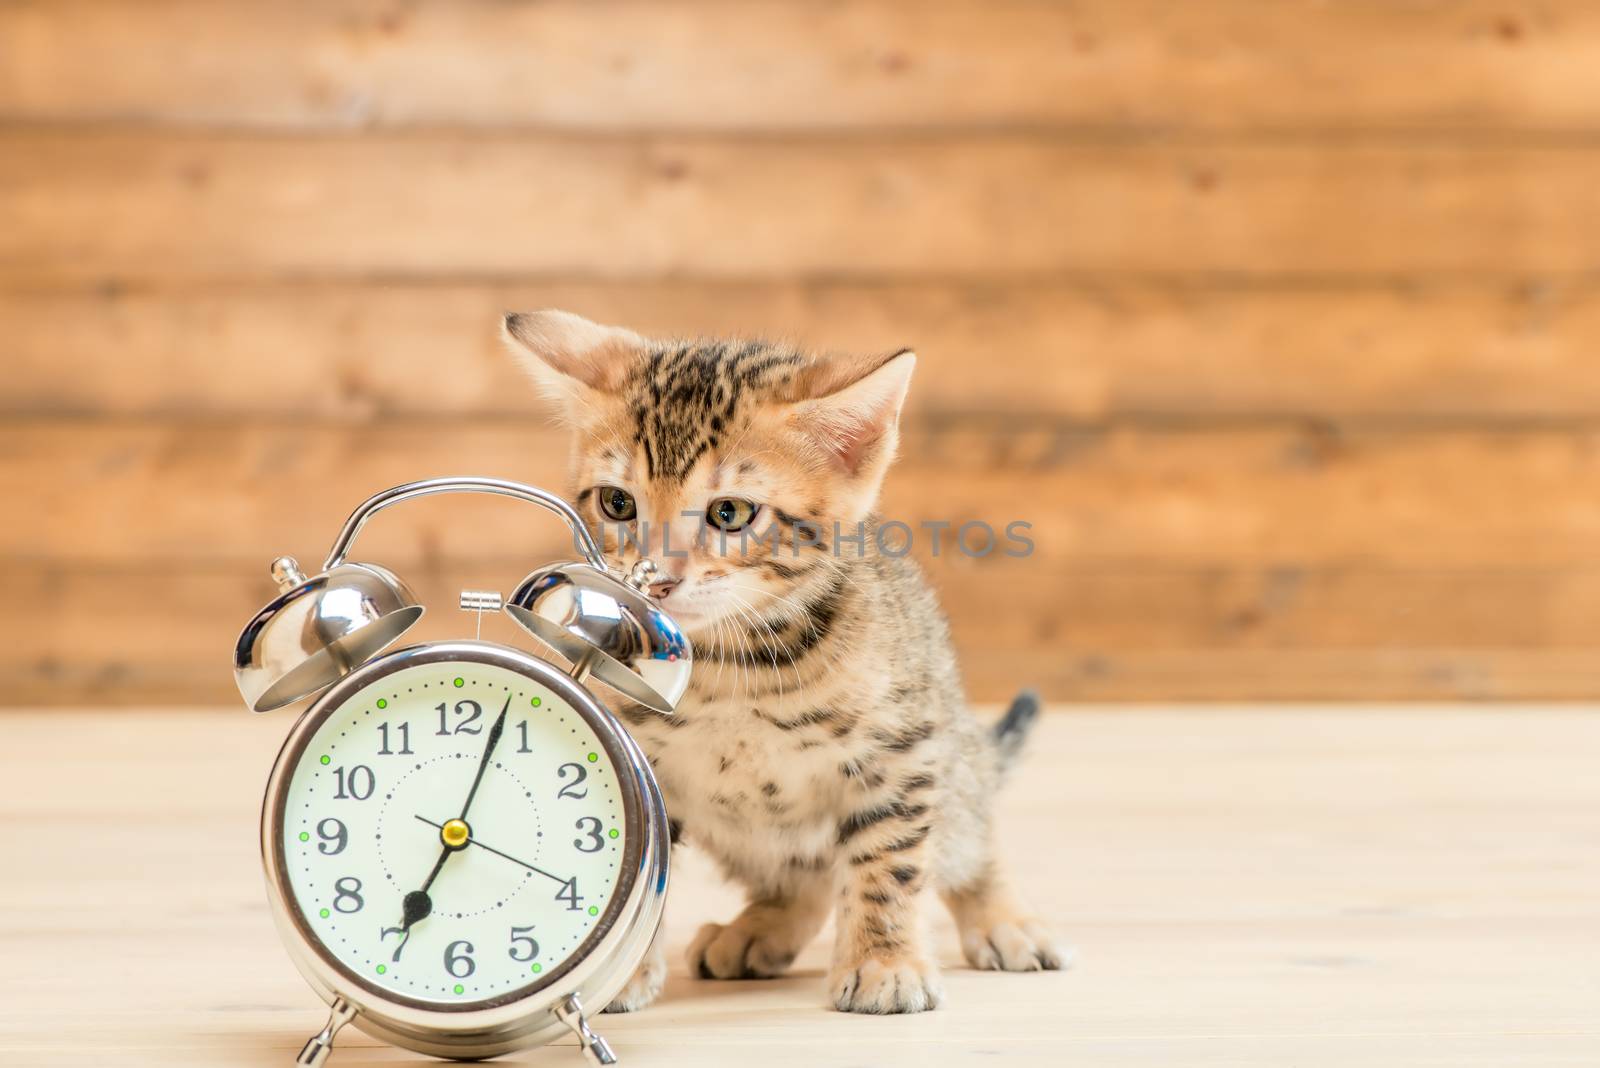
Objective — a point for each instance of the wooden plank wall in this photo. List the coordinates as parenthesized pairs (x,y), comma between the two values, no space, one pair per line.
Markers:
(1277,318)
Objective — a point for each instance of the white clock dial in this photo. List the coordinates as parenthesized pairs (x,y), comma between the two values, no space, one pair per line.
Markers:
(514,874)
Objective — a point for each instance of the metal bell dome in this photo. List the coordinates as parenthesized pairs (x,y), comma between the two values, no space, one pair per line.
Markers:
(318,630)
(607,628)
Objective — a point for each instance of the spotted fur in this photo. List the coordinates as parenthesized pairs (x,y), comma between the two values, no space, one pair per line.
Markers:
(824,754)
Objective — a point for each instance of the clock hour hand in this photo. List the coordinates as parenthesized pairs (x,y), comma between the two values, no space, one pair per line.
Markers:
(416,906)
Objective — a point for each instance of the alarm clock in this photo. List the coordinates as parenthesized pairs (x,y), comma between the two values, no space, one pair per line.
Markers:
(465,851)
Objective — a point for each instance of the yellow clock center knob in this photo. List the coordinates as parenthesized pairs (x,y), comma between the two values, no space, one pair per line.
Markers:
(455,833)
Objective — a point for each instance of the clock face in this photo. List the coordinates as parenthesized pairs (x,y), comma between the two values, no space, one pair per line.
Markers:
(452,832)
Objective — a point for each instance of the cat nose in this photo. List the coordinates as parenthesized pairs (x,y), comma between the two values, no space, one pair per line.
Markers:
(661,587)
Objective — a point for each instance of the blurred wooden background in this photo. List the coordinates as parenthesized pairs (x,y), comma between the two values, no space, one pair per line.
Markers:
(1277,318)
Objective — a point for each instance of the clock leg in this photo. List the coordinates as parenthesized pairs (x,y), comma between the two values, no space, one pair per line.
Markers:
(320,1044)
(595,1049)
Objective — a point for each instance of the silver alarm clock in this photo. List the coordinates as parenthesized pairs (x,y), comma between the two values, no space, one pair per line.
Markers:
(463,847)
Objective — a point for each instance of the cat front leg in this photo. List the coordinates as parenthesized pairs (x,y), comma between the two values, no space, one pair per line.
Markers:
(763,940)
(881,964)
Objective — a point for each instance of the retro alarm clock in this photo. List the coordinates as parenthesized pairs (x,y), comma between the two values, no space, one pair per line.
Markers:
(465,852)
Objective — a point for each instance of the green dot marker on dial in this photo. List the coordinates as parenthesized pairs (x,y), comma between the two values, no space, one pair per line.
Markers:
(460,683)
(382,704)
(537,968)
(593,757)
(305,836)
(460,989)
(323,914)
(612,832)
(594,910)
(326,759)
(382,968)
(536,702)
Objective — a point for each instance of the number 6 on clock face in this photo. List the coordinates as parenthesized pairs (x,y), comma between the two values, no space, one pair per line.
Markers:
(454,831)
(465,852)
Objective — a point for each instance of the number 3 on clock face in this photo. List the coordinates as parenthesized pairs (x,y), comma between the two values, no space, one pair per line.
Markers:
(453,833)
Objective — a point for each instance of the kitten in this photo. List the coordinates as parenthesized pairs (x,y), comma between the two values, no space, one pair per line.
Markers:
(823,754)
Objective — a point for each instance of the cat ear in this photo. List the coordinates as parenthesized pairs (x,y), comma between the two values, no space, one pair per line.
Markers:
(851,409)
(567,353)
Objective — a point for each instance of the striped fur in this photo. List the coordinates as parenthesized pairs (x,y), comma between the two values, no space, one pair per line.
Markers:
(824,754)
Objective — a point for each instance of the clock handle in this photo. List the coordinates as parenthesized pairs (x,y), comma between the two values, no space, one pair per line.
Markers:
(596,1050)
(465,484)
(317,1048)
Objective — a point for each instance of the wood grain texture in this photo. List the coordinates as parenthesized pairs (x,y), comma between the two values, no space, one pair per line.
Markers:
(783,64)
(163,630)
(1393,886)
(1202,563)
(97,204)
(1276,320)
(1084,350)
(1178,496)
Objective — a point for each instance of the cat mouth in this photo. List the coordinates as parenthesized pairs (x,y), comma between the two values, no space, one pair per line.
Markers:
(687,615)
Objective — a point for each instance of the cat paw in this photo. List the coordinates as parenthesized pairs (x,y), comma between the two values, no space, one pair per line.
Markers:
(643,988)
(1020,945)
(882,985)
(738,950)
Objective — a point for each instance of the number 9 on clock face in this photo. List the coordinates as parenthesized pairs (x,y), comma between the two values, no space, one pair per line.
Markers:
(453,833)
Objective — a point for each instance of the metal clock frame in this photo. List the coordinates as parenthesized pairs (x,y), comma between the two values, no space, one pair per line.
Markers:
(591,975)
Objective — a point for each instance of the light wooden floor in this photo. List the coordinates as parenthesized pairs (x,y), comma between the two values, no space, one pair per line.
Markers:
(1372,887)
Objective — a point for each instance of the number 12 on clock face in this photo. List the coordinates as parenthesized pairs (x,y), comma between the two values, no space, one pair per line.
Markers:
(453,832)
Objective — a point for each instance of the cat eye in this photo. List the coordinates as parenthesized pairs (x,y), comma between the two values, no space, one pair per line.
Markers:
(731,513)
(617,503)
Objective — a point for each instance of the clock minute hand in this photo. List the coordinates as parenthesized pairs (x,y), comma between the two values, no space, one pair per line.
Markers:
(417,905)
(488,750)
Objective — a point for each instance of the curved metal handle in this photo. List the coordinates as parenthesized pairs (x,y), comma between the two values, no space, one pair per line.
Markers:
(429,486)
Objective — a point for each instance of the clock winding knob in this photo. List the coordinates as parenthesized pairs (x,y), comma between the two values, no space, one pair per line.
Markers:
(481,601)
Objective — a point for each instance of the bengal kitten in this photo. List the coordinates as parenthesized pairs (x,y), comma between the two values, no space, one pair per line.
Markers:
(823,754)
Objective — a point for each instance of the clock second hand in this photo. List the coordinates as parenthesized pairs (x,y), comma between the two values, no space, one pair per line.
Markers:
(508,856)
(417,905)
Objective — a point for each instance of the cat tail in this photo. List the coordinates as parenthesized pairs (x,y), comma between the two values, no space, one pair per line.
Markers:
(1012,729)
